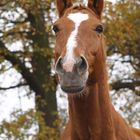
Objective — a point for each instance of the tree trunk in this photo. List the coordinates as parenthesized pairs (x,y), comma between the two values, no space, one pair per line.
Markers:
(41,62)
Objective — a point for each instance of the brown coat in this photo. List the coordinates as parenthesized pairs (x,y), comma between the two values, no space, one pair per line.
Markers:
(91,114)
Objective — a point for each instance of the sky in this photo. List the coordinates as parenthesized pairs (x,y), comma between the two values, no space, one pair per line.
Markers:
(13,99)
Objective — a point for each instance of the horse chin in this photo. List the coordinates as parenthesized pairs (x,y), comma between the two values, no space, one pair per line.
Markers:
(73,89)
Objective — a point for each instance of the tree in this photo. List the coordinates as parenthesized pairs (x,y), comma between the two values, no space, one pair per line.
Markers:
(29,22)
(122,30)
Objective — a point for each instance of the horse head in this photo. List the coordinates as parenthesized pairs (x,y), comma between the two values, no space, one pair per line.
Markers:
(78,41)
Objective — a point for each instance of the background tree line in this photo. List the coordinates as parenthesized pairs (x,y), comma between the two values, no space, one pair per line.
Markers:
(29,22)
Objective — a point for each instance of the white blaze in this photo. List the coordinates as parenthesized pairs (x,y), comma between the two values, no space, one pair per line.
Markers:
(77,18)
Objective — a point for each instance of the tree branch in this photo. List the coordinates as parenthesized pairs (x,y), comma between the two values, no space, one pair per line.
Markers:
(25,72)
(3,4)
(130,85)
(11,87)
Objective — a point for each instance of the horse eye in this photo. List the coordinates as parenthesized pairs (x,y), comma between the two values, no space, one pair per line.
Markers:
(55,28)
(99,29)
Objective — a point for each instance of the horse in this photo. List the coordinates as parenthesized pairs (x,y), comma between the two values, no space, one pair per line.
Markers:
(80,64)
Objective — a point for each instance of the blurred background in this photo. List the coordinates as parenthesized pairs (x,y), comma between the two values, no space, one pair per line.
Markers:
(30,107)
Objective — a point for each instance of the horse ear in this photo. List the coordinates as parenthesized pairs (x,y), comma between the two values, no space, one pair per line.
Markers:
(96,5)
(62,5)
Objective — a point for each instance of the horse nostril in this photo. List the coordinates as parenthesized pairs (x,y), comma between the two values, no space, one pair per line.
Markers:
(58,66)
(82,65)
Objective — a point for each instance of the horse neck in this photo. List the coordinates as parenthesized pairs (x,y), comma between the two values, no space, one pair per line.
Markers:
(92,111)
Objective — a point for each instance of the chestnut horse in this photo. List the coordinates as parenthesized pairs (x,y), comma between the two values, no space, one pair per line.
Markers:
(81,68)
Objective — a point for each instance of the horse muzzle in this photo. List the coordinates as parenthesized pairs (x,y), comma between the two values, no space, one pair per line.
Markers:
(72,74)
